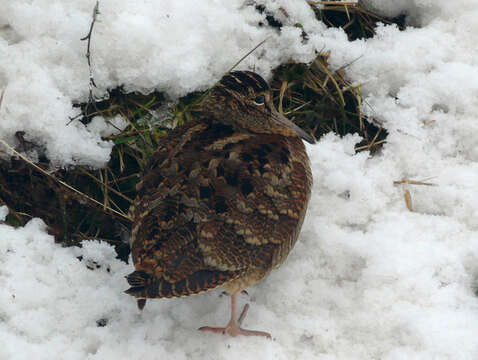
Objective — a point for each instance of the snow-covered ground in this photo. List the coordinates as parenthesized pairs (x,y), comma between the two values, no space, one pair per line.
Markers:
(368,279)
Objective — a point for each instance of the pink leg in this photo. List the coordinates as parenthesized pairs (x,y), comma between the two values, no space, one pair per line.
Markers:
(233,328)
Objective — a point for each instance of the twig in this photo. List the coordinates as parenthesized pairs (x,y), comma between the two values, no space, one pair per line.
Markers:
(88,37)
(91,84)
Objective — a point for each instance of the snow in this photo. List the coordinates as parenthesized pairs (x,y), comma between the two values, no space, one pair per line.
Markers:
(368,279)
(110,127)
(176,48)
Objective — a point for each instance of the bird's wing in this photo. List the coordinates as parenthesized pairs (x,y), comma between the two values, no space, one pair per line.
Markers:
(213,205)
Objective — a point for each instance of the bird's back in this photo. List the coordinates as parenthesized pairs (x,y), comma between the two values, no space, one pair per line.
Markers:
(216,207)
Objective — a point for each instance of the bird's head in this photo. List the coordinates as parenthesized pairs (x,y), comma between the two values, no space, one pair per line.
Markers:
(242,100)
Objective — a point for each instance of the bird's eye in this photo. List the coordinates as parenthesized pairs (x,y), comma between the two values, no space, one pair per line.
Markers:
(259,100)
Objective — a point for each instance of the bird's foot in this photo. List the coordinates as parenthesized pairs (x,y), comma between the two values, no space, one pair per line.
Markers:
(233,328)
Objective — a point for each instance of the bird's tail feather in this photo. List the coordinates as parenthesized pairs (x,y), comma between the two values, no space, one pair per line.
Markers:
(143,286)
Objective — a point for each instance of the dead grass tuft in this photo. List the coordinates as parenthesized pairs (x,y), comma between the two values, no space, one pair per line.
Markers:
(321,100)
(352,17)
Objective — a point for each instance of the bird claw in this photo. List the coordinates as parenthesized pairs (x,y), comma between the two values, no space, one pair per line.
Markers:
(233,328)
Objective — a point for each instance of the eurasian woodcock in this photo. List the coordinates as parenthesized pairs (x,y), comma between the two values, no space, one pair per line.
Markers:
(222,200)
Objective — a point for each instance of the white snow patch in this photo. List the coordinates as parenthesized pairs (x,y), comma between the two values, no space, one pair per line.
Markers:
(367,279)
(176,48)
(3,212)
(107,127)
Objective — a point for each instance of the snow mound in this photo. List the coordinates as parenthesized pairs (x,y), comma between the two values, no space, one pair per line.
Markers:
(368,279)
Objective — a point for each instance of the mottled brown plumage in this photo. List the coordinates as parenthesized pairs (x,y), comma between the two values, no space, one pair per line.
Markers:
(222,201)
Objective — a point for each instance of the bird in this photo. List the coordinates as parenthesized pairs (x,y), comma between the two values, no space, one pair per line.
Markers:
(222,200)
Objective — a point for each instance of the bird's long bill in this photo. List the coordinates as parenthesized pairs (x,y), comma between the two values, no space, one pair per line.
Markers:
(281,119)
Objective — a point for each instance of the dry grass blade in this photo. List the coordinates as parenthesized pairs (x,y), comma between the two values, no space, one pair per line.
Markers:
(69,187)
(374,141)
(16,214)
(298,108)
(333,3)
(283,88)
(1,97)
(318,86)
(413,182)
(408,199)
(369,146)
(347,12)
(330,76)
(102,182)
(406,193)
(249,53)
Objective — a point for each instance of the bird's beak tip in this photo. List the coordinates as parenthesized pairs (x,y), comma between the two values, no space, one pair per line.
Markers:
(310,139)
(281,119)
